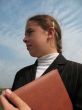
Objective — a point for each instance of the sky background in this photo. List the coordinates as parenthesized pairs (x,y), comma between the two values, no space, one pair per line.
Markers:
(13,16)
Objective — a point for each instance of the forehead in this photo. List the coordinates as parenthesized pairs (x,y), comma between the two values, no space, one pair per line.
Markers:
(32,24)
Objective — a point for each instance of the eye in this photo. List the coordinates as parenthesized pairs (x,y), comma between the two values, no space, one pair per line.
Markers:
(28,32)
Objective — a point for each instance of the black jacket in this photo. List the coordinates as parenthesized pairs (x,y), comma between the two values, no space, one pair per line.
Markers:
(70,72)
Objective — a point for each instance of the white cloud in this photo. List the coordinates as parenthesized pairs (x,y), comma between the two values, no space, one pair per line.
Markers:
(72,45)
(8,70)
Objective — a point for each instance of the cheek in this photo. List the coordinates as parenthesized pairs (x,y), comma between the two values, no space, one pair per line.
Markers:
(38,39)
(40,42)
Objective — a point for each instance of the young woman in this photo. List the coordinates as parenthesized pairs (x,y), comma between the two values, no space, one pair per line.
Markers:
(43,40)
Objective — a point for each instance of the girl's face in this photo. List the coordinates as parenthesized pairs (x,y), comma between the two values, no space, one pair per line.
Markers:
(36,40)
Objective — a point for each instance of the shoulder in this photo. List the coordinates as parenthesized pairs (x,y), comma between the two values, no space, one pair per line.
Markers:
(75,64)
(26,68)
(22,71)
(75,69)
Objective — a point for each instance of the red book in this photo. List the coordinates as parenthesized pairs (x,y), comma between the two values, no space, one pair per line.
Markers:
(46,93)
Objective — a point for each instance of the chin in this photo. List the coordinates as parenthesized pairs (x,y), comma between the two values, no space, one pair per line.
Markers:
(33,55)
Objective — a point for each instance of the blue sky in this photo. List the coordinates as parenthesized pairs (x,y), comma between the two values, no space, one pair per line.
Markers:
(13,16)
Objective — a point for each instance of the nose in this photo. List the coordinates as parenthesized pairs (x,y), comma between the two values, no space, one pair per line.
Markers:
(24,40)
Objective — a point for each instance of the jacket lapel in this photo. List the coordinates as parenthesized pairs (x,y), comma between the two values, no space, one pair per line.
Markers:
(59,63)
(33,70)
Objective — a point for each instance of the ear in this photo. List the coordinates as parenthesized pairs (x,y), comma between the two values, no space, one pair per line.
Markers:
(51,33)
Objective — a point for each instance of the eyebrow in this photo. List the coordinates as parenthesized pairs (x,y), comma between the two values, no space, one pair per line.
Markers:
(28,30)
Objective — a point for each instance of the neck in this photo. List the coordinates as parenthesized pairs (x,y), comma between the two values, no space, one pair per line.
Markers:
(50,51)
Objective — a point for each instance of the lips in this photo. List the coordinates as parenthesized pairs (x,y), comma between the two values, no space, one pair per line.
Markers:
(29,47)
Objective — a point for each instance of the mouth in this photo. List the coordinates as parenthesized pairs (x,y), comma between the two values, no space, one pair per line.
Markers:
(29,47)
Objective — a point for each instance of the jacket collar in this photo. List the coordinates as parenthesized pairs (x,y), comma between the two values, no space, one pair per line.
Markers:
(58,63)
(61,59)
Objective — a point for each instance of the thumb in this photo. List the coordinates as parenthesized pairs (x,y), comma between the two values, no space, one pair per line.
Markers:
(19,103)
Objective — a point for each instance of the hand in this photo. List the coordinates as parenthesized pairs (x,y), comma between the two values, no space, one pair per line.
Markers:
(20,104)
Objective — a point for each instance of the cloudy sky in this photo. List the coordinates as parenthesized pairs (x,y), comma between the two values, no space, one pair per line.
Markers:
(13,16)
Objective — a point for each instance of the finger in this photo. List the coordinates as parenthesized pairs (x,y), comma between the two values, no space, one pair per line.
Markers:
(3,93)
(4,103)
(15,99)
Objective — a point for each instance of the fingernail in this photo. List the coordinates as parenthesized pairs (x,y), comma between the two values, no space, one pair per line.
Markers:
(8,91)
